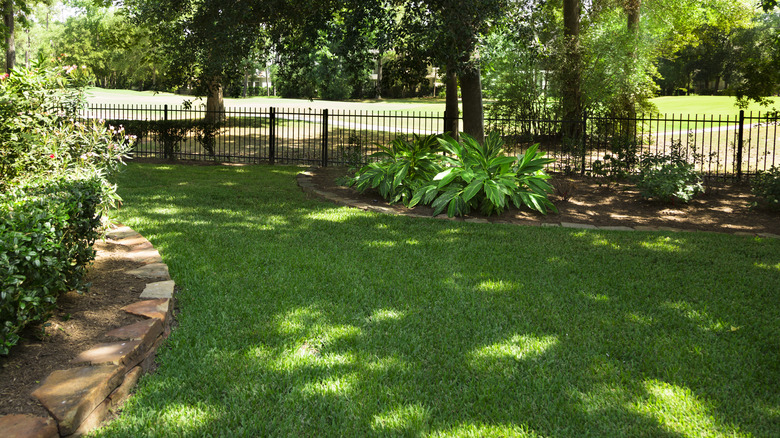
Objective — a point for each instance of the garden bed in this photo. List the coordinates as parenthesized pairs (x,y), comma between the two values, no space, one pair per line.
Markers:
(723,207)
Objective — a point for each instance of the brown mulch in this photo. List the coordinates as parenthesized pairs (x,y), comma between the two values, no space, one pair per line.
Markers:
(723,207)
(79,323)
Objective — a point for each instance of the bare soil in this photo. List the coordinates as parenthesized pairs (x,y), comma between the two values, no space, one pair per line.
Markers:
(79,323)
(724,207)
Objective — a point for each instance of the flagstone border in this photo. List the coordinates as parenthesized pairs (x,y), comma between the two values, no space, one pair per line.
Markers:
(100,379)
(305,182)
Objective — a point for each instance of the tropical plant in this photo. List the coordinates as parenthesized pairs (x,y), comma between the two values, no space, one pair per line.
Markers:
(401,168)
(482,176)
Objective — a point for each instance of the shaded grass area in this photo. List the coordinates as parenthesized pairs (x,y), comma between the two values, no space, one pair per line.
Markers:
(300,318)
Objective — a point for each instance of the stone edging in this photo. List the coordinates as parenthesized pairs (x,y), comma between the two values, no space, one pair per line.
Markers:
(305,182)
(80,398)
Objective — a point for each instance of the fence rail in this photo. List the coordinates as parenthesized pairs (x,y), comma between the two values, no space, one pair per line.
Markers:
(738,145)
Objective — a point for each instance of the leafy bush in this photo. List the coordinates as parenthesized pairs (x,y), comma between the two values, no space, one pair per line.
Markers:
(54,192)
(766,187)
(47,229)
(403,167)
(481,176)
(668,178)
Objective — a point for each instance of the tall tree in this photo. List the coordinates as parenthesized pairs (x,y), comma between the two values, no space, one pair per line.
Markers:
(8,22)
(571,96)
(451,31)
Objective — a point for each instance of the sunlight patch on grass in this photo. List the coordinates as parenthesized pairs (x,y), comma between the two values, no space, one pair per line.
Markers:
(331,214)
(299,320)
(186,417)
(408,420)
(680,411)
(501,357)
(600,298)
(497,286)
(485,430)
(662,243)
(639,319)
(166,211)
(602,241)
(698,316)
(383,315)
(767,266)
(381,244)
(339,386)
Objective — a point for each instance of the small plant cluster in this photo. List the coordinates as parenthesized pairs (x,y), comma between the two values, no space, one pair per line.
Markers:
(172,132)
(766,187)
(668,178)
(458,177)
(54,190)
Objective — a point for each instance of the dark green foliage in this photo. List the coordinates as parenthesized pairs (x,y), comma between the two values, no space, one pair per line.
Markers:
(172,132)
(621,162)
(766,187)
(668,178)
(54,192)
(402,168)
(483,177)
(47,229)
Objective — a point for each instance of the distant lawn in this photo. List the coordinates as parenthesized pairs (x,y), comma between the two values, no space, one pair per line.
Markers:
(717,105)
(300,318)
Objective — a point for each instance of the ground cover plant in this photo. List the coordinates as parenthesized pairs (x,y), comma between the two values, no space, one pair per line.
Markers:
(300,318)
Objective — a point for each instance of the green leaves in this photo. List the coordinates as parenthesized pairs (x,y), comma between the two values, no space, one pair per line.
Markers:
(669,178)
(766,187)
(402,167)
(481,177)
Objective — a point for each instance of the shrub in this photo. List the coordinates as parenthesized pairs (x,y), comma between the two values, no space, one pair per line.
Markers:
(54,193)
(47,229)
(403,167)
(481,176)
(766,187)
(668,178)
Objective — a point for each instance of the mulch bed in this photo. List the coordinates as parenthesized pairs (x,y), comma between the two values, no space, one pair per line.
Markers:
(80,322)
(722,208)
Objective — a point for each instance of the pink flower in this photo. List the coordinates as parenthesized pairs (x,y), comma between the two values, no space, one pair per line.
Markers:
(4,76)
(51,155)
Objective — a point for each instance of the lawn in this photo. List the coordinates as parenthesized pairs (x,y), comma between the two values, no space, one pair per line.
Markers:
(301,318)
(710,105)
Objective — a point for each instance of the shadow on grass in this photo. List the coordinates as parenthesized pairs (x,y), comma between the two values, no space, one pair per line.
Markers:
(301,319)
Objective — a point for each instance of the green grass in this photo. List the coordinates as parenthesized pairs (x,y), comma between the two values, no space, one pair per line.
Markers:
(716,105)
(300,318)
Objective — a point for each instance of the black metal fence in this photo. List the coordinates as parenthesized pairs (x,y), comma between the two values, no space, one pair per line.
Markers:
(737,145)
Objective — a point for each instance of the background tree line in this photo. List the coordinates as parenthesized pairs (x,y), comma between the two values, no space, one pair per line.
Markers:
(531,57)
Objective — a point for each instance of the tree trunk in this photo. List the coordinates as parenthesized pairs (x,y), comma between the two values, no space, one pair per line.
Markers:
(471,93)
(632,8)
(571,98)
(215,104)
(246,82)
(379,78)
(10,48)
(451,105)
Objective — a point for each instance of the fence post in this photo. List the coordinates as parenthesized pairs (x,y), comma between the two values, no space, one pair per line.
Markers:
(165,112)
(325,138)
(584,139)
(272,137)
(740,140)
